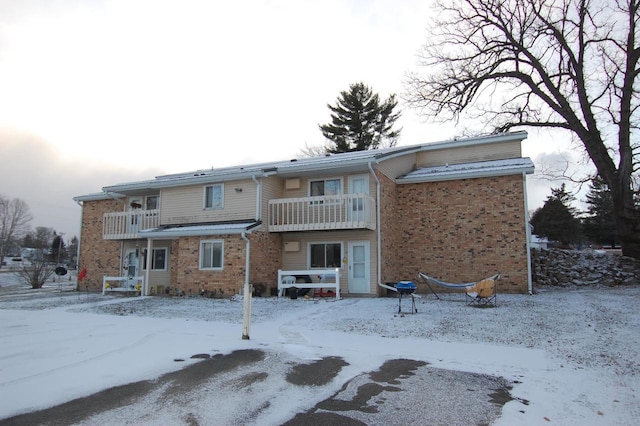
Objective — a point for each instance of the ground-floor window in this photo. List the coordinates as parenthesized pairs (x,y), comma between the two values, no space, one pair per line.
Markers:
(325,255)
(211,254)
(158,259)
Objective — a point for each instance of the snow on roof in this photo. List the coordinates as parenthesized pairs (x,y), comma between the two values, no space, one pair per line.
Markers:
(209,229)
(469,170)
(301,165)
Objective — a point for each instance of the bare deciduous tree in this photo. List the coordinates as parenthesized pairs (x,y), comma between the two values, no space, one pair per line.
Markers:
(564,64)
(36,271)
(14,222)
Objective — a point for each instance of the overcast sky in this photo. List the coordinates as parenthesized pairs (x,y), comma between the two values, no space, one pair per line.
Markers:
(99,92)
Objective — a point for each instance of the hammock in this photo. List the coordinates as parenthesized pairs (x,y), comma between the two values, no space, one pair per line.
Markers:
(460,286)
(478,293)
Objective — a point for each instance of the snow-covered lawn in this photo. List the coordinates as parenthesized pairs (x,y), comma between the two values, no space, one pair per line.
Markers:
(571,354)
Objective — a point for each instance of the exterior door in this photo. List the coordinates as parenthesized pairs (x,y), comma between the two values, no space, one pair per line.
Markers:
(133,222)
(359,270)
(131,265)
(358,184)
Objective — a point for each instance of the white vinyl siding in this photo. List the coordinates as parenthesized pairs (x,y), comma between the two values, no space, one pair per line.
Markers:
(181,205)
(298,260)
(272,188)
(486,152)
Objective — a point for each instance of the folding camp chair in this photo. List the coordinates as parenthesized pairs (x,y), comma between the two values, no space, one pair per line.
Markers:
(483,293)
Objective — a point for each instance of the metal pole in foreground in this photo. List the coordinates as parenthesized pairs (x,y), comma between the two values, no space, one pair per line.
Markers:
(247,292)
(246,312)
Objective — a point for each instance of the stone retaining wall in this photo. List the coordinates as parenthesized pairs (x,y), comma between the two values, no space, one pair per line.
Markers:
(578,268)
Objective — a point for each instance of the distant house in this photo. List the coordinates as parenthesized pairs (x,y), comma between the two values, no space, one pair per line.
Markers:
(452,209)
(539,242)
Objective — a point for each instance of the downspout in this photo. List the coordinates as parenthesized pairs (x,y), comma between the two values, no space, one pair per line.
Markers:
(246,312)
(379,235)
(528,233)
(258,196)
(79,243)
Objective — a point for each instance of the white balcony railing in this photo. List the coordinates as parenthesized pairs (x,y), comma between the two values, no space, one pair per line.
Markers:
(126,225)
(348,211)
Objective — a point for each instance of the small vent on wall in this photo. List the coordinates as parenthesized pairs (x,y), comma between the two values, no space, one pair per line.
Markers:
(292,183)
(292,246)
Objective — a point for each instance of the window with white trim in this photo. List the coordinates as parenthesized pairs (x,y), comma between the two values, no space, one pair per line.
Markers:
(158,259)
(325,255)
(325,187)
(214,197)
(152,202)
(211,254)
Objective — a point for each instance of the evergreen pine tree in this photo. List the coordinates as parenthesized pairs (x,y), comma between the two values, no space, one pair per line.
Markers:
(556,219)
(57,248)
(599,224)
(359,121)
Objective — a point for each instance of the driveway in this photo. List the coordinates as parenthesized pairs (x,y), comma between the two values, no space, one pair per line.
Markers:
(401,391)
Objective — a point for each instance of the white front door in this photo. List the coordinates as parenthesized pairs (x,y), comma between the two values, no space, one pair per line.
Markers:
(358,184)
(131,265)
(359,270)
(134,207)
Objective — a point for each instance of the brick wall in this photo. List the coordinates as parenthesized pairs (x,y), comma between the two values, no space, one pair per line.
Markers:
(266,255)
(266,259)
(189,277)
(100,257)
(461,231)
(390,230)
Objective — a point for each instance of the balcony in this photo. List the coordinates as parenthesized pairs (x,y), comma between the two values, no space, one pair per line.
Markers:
(126,225)
(348,211)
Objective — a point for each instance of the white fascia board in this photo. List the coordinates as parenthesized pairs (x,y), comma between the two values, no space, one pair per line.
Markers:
(199,231)
(98,197)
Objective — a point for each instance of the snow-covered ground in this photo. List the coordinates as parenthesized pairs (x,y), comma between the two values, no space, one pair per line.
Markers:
(572,355)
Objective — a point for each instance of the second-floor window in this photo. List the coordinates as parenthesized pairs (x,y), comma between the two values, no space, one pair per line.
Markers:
(325,187)
(214,196)
(152,202)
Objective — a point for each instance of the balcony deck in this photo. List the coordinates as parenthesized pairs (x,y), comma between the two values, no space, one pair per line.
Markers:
(347,211)
(127,225)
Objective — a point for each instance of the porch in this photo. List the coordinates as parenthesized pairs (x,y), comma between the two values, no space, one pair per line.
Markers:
(327,279)
(346,211)
(122,284)
(127,225)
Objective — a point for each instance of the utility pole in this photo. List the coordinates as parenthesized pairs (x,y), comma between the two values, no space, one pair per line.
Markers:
(59,247)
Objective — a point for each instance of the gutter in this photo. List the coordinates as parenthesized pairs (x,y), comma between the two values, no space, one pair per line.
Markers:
(379,233)
(258,196)
(79,243)
(528,234)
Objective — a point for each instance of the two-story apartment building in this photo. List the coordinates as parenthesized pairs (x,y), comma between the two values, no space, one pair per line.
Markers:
(454,210)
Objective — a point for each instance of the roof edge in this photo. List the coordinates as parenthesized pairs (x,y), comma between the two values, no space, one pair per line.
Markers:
(526,167)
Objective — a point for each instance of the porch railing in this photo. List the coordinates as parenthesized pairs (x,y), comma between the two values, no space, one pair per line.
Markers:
(347,211)
(126,225)
(126,284)
(327,278)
